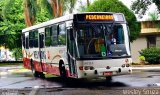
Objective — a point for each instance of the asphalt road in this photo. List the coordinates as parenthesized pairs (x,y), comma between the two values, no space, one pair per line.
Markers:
(23,82)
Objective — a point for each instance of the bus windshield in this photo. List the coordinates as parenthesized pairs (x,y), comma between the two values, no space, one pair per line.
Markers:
(101,40)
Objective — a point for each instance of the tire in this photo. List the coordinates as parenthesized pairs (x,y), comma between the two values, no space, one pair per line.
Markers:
(35,73)
(62,71)
(38,74)
(42,75)
(108,80)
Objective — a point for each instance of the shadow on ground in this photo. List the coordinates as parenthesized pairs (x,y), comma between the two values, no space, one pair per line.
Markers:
(84,83)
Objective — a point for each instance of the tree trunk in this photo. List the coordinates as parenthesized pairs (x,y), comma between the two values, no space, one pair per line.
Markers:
(88,3)
(26,14)
(57,8)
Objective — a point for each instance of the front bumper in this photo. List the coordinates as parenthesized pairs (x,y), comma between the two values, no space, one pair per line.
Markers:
(103,72)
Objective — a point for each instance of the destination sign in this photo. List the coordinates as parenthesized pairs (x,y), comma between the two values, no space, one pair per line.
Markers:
(98,17)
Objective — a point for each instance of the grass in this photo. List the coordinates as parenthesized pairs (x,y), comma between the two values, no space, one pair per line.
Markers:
(49,75)
(10,64)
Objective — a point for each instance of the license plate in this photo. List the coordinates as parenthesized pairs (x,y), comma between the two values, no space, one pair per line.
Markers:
(107,73)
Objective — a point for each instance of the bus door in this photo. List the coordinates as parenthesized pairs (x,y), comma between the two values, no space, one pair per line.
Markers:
(71,51)
(42,55)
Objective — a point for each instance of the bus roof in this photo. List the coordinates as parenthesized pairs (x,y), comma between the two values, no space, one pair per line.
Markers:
(50,22)
(61,19)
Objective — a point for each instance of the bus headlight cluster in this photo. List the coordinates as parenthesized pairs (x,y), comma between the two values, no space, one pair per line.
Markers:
(125,65)
(86,68)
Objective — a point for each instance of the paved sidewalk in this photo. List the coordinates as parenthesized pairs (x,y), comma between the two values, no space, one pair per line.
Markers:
(146,67)
(13,69)
(85,91)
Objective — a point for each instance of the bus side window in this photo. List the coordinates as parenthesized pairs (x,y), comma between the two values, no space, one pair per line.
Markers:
(31,39)
(26,41)
(23,40)
(36,38)
(48,33)
(54,35)
(62,34)
(120,35)
(41,39)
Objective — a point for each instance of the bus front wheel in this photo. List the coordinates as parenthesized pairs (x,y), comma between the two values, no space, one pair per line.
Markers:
(108,80)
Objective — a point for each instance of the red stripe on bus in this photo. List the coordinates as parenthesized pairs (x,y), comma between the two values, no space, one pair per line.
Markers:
(48,68)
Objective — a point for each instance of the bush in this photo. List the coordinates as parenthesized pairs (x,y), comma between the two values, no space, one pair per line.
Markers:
(142,58)
(152,55)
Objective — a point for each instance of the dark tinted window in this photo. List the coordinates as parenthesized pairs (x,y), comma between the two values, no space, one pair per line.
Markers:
(48,34)
(62,34)
(33,39)
(54,37)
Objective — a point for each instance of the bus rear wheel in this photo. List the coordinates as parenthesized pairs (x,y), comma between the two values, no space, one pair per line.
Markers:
(36,73)
(62,71)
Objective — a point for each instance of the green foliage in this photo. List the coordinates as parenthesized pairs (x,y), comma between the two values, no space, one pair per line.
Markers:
(152,55)
(141,6)
(142,58)
(117,6)
(153,16)
(71,5)
(82,6)
(17,53)
(12,24)
(44,10)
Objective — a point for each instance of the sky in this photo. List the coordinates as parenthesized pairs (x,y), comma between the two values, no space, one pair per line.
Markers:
(128,3)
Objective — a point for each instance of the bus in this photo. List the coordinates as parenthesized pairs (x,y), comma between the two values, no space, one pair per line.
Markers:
(81,45)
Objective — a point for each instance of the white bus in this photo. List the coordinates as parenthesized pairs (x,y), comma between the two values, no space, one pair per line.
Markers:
(83,45)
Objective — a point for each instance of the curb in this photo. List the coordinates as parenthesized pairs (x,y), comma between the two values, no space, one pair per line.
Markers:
(12,71)
(20,70)
(146,68)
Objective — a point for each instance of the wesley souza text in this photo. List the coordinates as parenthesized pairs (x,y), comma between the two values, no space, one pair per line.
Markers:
(154,91)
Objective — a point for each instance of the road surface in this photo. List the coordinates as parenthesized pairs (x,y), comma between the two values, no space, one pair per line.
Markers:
(17,78)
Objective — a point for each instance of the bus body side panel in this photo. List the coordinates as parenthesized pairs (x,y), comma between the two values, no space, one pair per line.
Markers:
(53,57)
(26,63)
(48,68)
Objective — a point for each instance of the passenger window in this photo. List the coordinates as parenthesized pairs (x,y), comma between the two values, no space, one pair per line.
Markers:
(33,39)
(62,34)
(54,37)
(48,34)
(23,40)
(26,41)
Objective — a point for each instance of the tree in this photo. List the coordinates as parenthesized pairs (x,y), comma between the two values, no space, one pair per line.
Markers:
(11,25)
(34,9)
(15,14)
(13,22)
(30,12)
(71,5)
(141,6)
(117,6)
(88,3)
(153,16)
